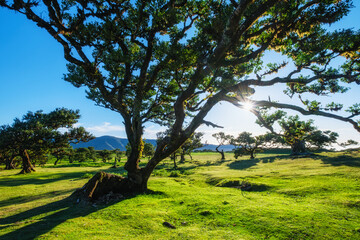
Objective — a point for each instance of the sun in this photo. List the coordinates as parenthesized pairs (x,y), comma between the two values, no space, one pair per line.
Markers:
(248,105)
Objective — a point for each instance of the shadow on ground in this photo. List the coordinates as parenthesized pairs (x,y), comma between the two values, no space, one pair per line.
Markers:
(342,160)
(25,199)
(43,219)
(42,179)
(243,164)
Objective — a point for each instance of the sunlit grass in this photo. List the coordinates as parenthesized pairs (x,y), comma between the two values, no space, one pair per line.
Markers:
(305,198)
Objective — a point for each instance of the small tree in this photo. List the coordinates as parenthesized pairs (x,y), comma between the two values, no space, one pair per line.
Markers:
(247,144)
(118,155)
(296,133)
(7,157)
(149,150)
(61,153)
(349,142)
(192,143)
(36,134)
(320,139)
(105,155)
(222,139)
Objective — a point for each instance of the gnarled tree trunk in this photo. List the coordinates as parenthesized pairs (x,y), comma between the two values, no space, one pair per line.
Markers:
(182,158)
(26,164)
(252,154)
(298,148)
(173,157)
(9,163)
(221,152)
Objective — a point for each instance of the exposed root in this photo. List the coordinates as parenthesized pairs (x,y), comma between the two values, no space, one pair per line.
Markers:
(103,187)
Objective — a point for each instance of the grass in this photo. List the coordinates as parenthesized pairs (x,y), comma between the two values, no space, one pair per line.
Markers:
(316,197)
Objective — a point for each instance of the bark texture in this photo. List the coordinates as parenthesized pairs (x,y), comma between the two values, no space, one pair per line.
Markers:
(298,148)
(9,164)
(27,167)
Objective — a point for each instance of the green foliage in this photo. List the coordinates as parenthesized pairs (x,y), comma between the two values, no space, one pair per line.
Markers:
(38,134)
(245,143)
(149,150)
(105,155)
(293,131)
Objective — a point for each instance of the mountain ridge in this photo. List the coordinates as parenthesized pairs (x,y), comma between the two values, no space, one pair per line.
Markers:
(111,143)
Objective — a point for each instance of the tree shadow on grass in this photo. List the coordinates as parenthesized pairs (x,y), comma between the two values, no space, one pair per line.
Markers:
(343,160)
(43,219)
(29,198)
(273,158)
(41,179)
(243,164)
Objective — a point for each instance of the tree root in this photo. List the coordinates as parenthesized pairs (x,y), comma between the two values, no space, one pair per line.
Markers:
(104,184)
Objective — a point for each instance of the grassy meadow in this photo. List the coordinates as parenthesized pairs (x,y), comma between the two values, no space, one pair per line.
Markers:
(315,197)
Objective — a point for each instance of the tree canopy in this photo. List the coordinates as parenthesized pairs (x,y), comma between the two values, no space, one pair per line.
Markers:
(296,133)
(38,133)
(245,143)
(170,62)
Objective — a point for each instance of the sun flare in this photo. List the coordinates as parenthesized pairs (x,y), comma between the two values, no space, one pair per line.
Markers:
(248,105)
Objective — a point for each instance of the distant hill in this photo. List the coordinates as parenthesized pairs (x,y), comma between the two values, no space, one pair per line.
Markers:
(108,143)
(212,147)
(111,143)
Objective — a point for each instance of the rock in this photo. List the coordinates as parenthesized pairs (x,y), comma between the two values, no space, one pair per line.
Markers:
(169,225)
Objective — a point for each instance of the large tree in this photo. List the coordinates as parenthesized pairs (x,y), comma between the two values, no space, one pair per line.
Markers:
(171,61)
(38,133)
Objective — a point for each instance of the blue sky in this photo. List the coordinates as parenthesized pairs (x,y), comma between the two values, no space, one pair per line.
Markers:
(32,68)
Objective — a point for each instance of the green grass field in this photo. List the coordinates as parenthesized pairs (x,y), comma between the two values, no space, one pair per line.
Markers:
(316,197)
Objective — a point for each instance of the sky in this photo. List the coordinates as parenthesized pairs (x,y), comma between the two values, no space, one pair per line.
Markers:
(31,78)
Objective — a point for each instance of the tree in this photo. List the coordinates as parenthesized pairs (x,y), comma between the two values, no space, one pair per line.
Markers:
(149,150)
(222,139)
(61,153)
(170,62)
(36,134)
(296,133)
(349,143)
(105,155)
(190,144)
(247,144)
(320,139)
(7,157)
(118,155)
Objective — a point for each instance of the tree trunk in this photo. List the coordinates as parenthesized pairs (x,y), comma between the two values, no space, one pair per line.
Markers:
(173,157)
(9,164)
(115,163)
(298,148)
(221,152)
(182,158)
(252,155)
(57,160)
(26,164)
(137,178)
(222,155)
